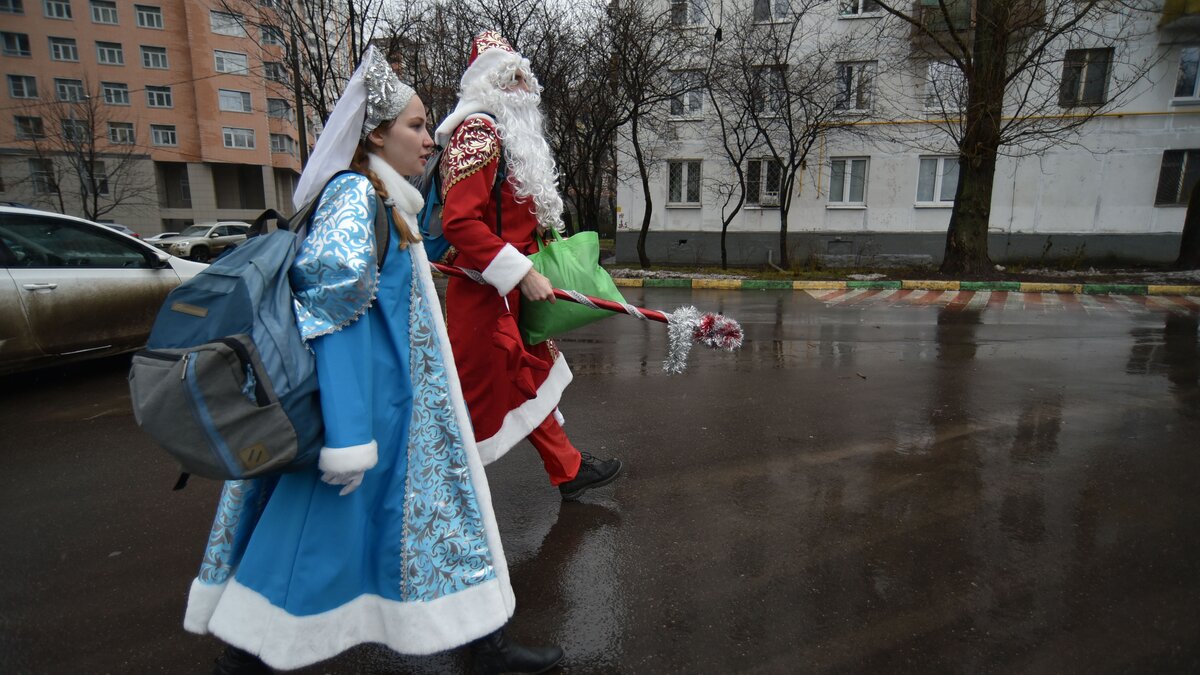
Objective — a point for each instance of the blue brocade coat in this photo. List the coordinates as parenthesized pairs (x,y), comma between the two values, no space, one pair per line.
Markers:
(412,559)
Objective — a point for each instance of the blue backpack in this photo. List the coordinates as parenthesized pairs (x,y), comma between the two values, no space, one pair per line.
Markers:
(226,384)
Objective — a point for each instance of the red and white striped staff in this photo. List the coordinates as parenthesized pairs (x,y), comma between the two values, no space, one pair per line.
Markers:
(685,326)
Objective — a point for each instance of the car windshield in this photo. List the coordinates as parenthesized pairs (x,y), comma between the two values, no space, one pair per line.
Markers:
(195,231)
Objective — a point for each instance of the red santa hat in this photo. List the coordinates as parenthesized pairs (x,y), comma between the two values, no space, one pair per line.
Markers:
(488,39)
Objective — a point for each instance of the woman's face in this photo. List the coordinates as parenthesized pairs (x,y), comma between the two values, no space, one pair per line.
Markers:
(405,145)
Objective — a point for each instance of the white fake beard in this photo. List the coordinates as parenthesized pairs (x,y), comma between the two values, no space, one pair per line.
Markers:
(530,166)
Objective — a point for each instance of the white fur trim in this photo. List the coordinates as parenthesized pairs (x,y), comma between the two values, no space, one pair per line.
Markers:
(525,418)
(489,60)
(558,417)
(351,459)
(202,601)
(407,197)
(507,269)
(247,620)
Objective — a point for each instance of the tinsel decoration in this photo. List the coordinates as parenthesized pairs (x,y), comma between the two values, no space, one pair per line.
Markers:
(685,326)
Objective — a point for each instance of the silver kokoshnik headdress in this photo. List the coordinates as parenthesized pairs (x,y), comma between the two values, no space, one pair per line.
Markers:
(386,94)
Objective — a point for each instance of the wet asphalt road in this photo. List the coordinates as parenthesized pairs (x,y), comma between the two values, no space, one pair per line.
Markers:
(860,489)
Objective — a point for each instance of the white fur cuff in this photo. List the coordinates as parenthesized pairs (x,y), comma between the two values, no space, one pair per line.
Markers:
(352,459)
(507,269)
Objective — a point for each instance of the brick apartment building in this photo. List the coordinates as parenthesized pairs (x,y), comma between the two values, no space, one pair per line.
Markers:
(178,95)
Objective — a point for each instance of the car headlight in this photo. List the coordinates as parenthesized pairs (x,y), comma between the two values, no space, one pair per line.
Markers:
(182,246)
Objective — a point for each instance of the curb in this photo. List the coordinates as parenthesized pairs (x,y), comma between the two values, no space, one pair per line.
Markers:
(916,285)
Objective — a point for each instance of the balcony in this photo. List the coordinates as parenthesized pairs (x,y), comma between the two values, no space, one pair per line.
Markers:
(1180,17)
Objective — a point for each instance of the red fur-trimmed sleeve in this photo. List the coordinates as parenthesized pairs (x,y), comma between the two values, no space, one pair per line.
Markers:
(468,169)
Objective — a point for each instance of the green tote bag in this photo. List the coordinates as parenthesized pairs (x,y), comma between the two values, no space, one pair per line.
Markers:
(571,264)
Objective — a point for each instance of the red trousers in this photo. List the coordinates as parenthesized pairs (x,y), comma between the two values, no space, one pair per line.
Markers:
(558,455)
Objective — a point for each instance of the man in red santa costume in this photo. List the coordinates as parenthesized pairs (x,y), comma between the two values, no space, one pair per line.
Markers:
(512,389)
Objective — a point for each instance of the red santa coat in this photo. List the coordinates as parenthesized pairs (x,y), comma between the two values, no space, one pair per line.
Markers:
(510,387)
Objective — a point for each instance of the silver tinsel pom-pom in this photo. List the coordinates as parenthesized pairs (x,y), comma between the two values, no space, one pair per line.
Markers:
(681,326)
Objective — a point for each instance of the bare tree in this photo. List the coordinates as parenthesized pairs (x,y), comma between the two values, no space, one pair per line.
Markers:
(87,161)
(1016,77)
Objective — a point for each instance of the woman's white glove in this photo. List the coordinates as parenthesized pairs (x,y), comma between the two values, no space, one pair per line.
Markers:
(351,481)
(346,466)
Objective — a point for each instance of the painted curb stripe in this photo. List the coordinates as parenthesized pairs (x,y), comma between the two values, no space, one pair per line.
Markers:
(1114,289)
(630,283)
(667,283)
(1036,287)
(1160,289)
(818,285)
(874,284)
(917,285)
(723,284)
(930,285)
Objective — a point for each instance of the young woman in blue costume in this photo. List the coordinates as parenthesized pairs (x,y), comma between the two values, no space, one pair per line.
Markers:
(391,538)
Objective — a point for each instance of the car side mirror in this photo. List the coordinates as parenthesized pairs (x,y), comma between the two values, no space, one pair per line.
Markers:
(213,235)
(158,260)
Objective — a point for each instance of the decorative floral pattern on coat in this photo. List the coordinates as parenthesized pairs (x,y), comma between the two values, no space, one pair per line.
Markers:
(473,146)
(445,547)
(242,503)
(334,277)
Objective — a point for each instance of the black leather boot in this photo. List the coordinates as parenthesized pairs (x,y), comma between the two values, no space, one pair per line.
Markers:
(234,661)
(592,473)
(495,654)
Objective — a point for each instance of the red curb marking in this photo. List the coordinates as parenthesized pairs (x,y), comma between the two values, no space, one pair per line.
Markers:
(997,299)
(833,295)
(929,298)
(960,300)
(1110,303)
(901,294)
(859,298)
(1183,302)
(1070,301)
(1034,300)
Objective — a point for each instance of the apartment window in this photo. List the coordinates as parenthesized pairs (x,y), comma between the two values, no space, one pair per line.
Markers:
(115,93)
(770,90)
(278,107)
(96,179)
(76,131)
(283,143)
(937,181)
(16,44)
(1187,86)
(848,181)
(110,54)
(689,97)
(275,71)
(771,10)
(224,23)
(854,86)
(154,57)
(764,180)
(12,7)
(231,62)
(121,133)
(234,101)
(688,12)
(238,138)
(104,11)
(63,49)
(69,90)
(159,97)
(41,174)
(1085,77)
(57,9)
(857,7)
(945,86)
(149,16)
(22,86)
(272,35)
(1177,177)
(683,182)
(29,128)
(163,134)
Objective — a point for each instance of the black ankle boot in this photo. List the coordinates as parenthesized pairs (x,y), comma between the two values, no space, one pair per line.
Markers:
(234,661)
(494,654)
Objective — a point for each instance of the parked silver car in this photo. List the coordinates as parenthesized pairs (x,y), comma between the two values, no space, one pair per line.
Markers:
(71,289)
(203,241)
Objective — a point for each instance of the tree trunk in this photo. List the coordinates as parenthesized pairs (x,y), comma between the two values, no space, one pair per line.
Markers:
(644,174)
(967,237)
(1189,244)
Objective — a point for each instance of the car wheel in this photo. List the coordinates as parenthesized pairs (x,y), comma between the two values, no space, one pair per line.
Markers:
(199,254)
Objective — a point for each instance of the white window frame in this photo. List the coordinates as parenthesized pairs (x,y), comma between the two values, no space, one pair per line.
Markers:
(222,59)
(280,103)
(154,57)
(758,174)
(104,11)
(163,135)
(689,104)
(115,93)
(688,13)
(771,99)
(149,16)
(159,97)
(238,138)
(22,86)
(110,53)
(283,144)
(16,44)
(273,68)
(63,49)
(770,11)
(1079,64)
(691,174)
(36,127)
(1188,162)
(841,181)
(85,132)
(12,7)
(853,9)
(225,101)
(1187,84)
(939,187)
(856,81)
(65,87)
(57,9)
(272,36)
(122,133)
(226,23)
(945,87)
(96,169)
(41,176)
